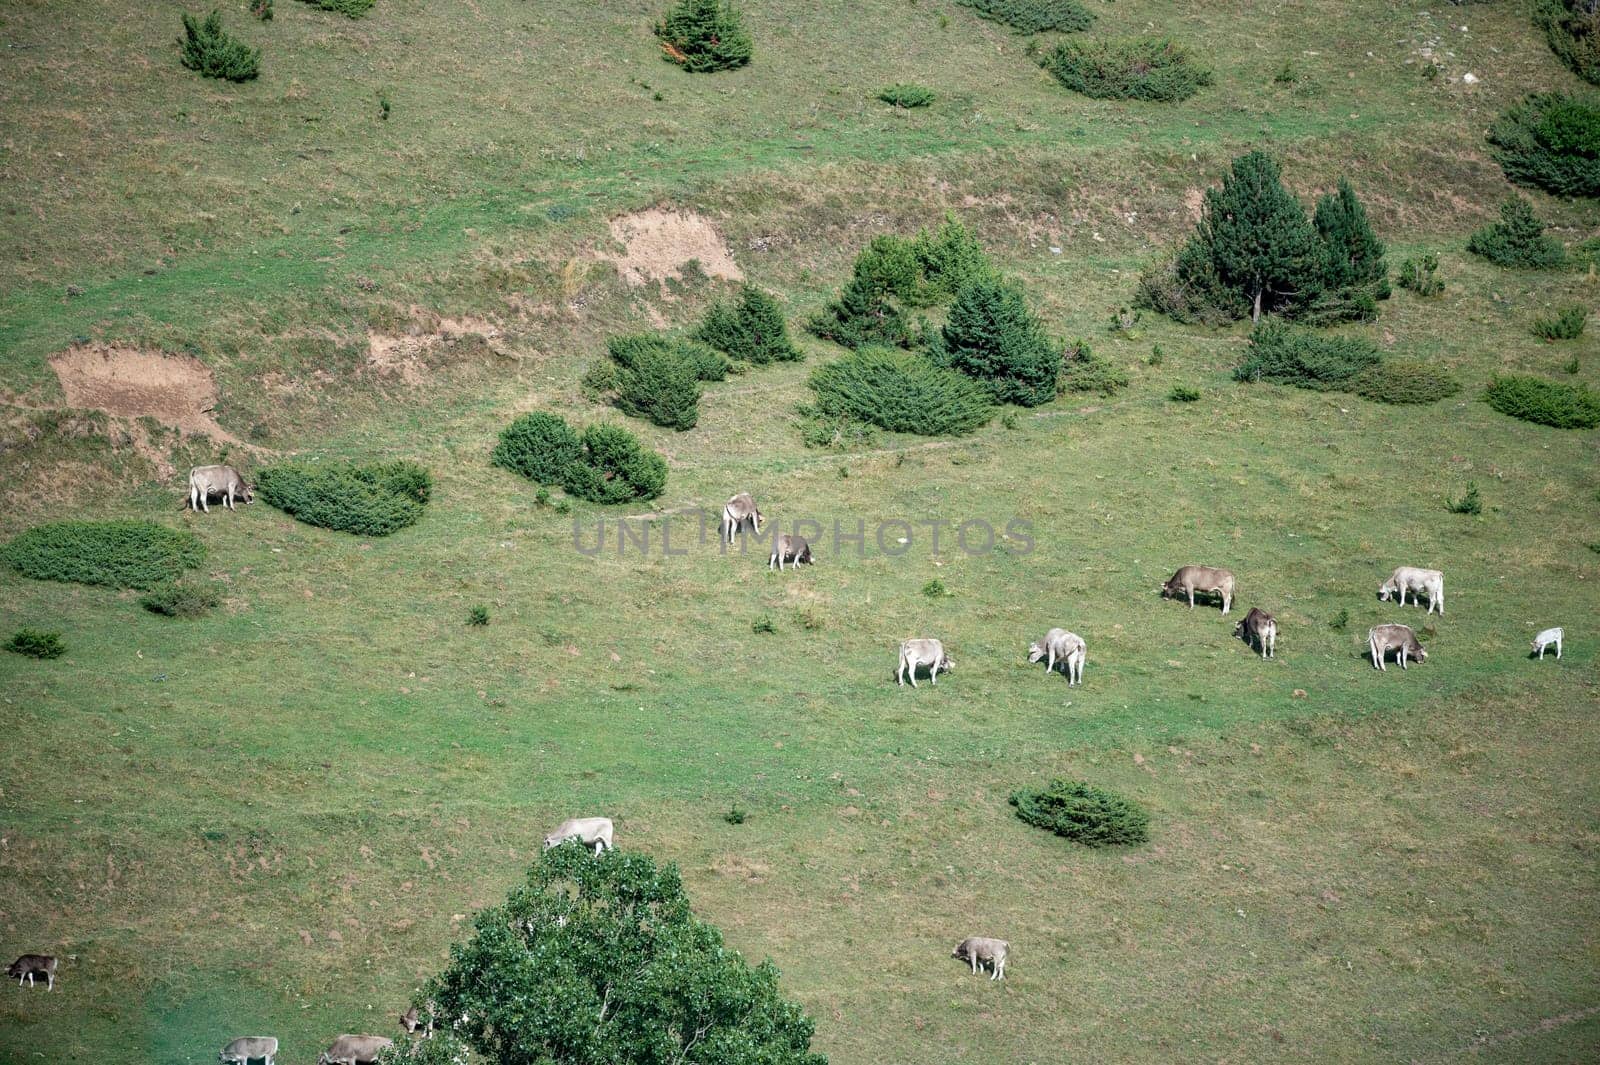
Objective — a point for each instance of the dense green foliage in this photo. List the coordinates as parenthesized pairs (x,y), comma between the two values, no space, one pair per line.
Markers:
(600,959)
(992,337)
(36,643)
(1573,29)
(1533,399)
(181,599)
(1518,240)
(214,53)
(863,314)
(749,329)
(902,392)
(1354,274)
(1420,274)
(540,446)
(347,8)
(1550,141)
(658,377)
(903,94)
(1184,394)
(947,258)
(1144,68)
(1084,371)
(1405,381)
(1084,814)
(1281,353)
(115,554)
(1566,323)
(373,499)
(703,36)
(1034,16)
(615,468)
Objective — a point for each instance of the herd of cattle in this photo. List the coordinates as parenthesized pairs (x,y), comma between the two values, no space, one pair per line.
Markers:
(1059,647)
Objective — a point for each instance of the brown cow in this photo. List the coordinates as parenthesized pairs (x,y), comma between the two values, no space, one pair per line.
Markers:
(1398,638)
(789,548)
(1191,579)
(1259,629)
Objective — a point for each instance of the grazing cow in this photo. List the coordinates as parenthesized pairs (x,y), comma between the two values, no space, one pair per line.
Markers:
(915,654)
(590,831)
(983,952)
(738,512)
(248,1048)
(1059,645)
(1191,579)
(791,549)
(1545,639)
(1416,581)
(355,1050)
(208,481)
(1397,638)
(30,965)
(1259,629)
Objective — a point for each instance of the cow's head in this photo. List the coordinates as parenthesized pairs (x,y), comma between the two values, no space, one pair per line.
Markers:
(1419,651)
(249,495)
(1386,589)
(945,663)
(1036,651)
(1238,630)
(958,952)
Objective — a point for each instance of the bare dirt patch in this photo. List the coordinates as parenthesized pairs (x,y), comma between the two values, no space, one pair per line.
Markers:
(125,382)
(660,242)
(406,355)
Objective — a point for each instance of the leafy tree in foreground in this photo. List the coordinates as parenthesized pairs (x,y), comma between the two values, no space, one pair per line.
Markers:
(702,36)
(599,959)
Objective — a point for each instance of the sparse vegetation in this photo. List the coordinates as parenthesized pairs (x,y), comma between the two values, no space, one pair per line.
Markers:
(1518,240)
(749,329)
(1420,274)
(181,599)
(704,36)
(1469,503)
(212,52)
(478,616)
(1340,621)
(735,815)
(1084,371)
(764,625)
(347,8)
(1405,381)
(113,554)
(1034,16)
(900,391)
(1283,354)
(1566,323)
(1552,403)
(261,9)
(1551,141)
(367,499)
(935,589)
(36,643)
(1084,814)
(1145,68)
(905,95)
(1183,394)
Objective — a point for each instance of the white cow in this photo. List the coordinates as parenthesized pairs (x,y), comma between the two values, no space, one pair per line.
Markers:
(590,831)
(207,481)
(1545,639)
(737,512)
(915,654)
(248,1048)
(1059,645)
(355,1050)
(983,952)
(1416,581)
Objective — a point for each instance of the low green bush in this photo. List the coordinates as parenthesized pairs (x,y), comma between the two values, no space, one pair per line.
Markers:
(478,616)
(658,378)
(1144,68)
(261,9)
(540,446)
(1084,814)
(347,8)
(1573,29)
(1565,324)
(704,36)
(1470,503)
(1533,399)
(1034,16)
(181,599)
(749,329)
(113,554)
(1550,141)
(1518,240)
(902,94)
(1084,371)
(36,643)
(1405,381)
(214,53)
(373,499)
(832,432)
(1183,394)
(1420,274)
(902,392)
(1283,354)
(615,468)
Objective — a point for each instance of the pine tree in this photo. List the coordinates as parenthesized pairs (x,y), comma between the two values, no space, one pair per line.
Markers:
(1352,253)
(209,49)
(863,314)
(750,328)
(993,337)
(702,36)
(1255,241)
(1518,239)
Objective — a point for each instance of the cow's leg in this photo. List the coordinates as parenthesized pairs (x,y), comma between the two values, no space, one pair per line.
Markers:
(1558,650)
(1191,598)
(205,500)
(973,957)
(900,673)
(1049,660)
(933,674)
(1541,652)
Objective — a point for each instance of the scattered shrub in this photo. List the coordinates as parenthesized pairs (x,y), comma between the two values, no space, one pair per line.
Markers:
(832,431)
(947,258)
(1471,503)
(1566,324)
(347,8)
(113,554)
(210,50)
(658,378)
(894,272)
(1420,274)
(478,616)
(261,9)
(1340,621)
(1084,371)
(1157,356)
(763,625)
(902,392)
(1084,813)
(750,328)
(375,499)
(1405,381)
(1034,16)
(1125,321)
(1551,141)
(1517,240)
(1145,68)
(703,36)
(615,468)
(36,643)
(735,815)
(181,599)
(992,337)
(1552,403)
(1570,366)
(1183,394)
(902,94)
(1281,353)
(1573,29)
(935,589)
(540,446)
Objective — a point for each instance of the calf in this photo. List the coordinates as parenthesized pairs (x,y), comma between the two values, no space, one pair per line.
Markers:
(1259,629)
(1417,582)
(738,512)
(248,1048)
(1545,639)
(981,951)
(915,654)
(791,549)
(1398,638)
(1191,579)
(590,831)
(30,965)
(355,1050)
(208,481)
(1059,645)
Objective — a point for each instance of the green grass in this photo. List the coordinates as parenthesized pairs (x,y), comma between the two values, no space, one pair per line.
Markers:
(1385,867)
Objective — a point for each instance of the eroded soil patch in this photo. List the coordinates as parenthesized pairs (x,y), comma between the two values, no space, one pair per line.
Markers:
(660,242)
(176,390)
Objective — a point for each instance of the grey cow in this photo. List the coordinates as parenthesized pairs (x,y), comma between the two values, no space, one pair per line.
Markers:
(791,549)
(248,1048)
(593,832)
(1417,582)
(30,965)
(355,1050)
(984,952)
(738,512)
(1383,639)
(1065,647)
(1192,579)
(918,654)
(1259,629)
(224,481)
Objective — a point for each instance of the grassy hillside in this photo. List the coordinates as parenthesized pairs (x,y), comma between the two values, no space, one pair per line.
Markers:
(278,817)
